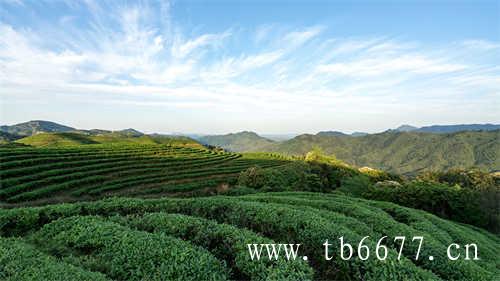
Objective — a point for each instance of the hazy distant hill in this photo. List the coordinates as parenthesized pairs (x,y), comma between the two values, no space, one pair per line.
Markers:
(406,128)
(92,132)
(359,134)
(278,137)
(242,141)
(130,132)
(34,127)
(459,128)
(331,133)
(448,128)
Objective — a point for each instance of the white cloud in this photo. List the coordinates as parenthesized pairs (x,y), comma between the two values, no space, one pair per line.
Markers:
(232,67)
(141,58)
(387,65)
(297,38)
(182,49)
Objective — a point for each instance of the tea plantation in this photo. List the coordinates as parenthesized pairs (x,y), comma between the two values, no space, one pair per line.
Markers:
(205,239)
(92,171)
(130,224)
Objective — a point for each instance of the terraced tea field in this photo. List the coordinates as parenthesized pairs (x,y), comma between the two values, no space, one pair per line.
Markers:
(205,239)
(92,171)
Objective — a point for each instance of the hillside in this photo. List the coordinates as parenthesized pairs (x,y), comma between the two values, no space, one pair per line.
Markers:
(128,207)
(34,127)
(331,134)
(78,138)
(204,239)
(90,171)
(401,152)
(7,137)
(242,141)
(458,128)
(406,152)
(406,128)
(56,139)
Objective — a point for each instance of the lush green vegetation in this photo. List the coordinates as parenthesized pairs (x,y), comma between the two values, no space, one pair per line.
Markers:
(268,198)
(115,138)
(242,141)
(158,237)
(90,171)
(401,152)
(468,196)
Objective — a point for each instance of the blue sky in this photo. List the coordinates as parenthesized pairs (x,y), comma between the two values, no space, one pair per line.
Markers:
(266,66)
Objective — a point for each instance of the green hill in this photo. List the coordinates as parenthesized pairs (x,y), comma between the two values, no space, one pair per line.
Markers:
(458,128)
(405,152)
(36,126)
(56,139)
(7,137)
(401,152)
(76,172)
(126,216)
(117,138)
(241,142)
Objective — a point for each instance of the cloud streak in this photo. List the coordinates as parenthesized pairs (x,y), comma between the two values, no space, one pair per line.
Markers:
(143,58)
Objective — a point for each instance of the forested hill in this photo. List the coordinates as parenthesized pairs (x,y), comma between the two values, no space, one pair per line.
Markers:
(401,152)
(242,141)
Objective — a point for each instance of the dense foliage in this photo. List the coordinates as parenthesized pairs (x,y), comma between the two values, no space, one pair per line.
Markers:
(471,197)
(400,152)
(205,238)
(89,171)
(217,228)
(451,202)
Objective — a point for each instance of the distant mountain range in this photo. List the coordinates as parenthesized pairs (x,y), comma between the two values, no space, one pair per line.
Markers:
(39,126)
(406,149)
(46,133)
(401,152)
(34,127)
(406,128)
(243,141)
(448,128)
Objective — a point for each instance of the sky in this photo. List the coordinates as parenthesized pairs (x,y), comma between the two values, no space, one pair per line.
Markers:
(277,67)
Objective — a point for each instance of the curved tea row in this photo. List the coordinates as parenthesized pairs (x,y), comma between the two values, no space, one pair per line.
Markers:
(28,174)
(206,238)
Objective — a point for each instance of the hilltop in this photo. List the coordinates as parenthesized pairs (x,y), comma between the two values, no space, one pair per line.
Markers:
(459,128)
(75,138)
(401,152)
(406,150)
(406,128)
(34,127)
(242,141)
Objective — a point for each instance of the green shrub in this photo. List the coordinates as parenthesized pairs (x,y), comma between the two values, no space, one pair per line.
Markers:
(20,261)
(291,217)
(471,178)
(455,203)
(239,190)
(385,224)
(356,185)
(126,254)
(225,242)
(259,178)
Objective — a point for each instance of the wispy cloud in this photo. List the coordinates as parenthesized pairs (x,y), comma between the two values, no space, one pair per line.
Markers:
(142,57)
(417,64)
